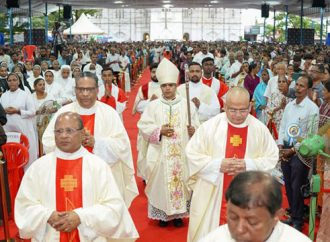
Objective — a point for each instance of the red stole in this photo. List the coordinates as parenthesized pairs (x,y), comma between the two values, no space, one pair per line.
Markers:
(69,191)
(110,100)
(89,122)
(145,90)
(235,147)
(222,89)
(206,81)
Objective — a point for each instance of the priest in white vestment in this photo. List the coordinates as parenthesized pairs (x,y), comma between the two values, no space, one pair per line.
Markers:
(164,124)
(254,211)
(105,134)
(203,97)
(146,93)
(225,145)
(70,194)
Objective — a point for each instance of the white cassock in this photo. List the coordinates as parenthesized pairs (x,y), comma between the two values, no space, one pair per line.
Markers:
(140,101)
(124,61)
(23,123)
(205,152)
(281,233)
(120,106)
(111,144)
(166,165)
(209,103)
(103,215)
(139,105)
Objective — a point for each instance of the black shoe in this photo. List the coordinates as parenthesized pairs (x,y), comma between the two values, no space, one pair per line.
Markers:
(298,227)
(287,221)
(178,222)
(162,223)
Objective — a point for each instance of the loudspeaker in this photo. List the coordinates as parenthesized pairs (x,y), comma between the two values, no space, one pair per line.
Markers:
(318,4)
(12,3)
(294,36)
(264,10)
(67,11)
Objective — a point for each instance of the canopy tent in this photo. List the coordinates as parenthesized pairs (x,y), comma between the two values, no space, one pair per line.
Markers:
(83,26)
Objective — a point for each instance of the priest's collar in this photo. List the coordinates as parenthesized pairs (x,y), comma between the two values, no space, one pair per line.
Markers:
(171,102)
(242,125)
(70,156)
(84,111)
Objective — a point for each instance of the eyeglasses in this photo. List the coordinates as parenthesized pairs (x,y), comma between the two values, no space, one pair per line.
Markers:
(69,131)
(85,89)
(240,111)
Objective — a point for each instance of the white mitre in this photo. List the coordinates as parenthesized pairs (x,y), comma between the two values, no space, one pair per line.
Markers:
(167,72)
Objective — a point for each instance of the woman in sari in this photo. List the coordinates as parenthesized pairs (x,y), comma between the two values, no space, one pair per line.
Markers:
(276,105)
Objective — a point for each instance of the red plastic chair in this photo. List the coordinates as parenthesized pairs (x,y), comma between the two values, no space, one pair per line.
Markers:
(23,138)
(17,156)
(25,141)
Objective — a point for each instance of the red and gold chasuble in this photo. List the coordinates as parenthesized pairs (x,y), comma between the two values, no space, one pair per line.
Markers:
(89,122)
(235,148)
(68,191)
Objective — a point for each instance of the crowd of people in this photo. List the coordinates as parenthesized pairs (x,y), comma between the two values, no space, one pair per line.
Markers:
(249,106)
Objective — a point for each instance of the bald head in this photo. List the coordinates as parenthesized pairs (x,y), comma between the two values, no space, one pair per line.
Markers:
(237,93)
(237,105)
(74,118)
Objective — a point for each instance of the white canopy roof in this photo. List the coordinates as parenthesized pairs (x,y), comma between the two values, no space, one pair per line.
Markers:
(83,26)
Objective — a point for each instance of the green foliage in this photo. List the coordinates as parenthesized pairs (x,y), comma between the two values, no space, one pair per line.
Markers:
(293,22)
(39,21)
(4,25)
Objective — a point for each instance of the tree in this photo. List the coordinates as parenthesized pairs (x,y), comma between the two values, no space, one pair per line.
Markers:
(39,22)
(293,22)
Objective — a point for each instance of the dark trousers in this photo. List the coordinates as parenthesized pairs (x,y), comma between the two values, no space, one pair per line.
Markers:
(295,176)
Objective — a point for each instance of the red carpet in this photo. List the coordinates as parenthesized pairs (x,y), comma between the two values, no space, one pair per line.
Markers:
(148,229)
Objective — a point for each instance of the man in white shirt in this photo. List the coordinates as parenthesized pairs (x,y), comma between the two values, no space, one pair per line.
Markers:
(202,54)
(254,209)
(236,68)
(98,67)
(204,98)
(299,119)
(113,61)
